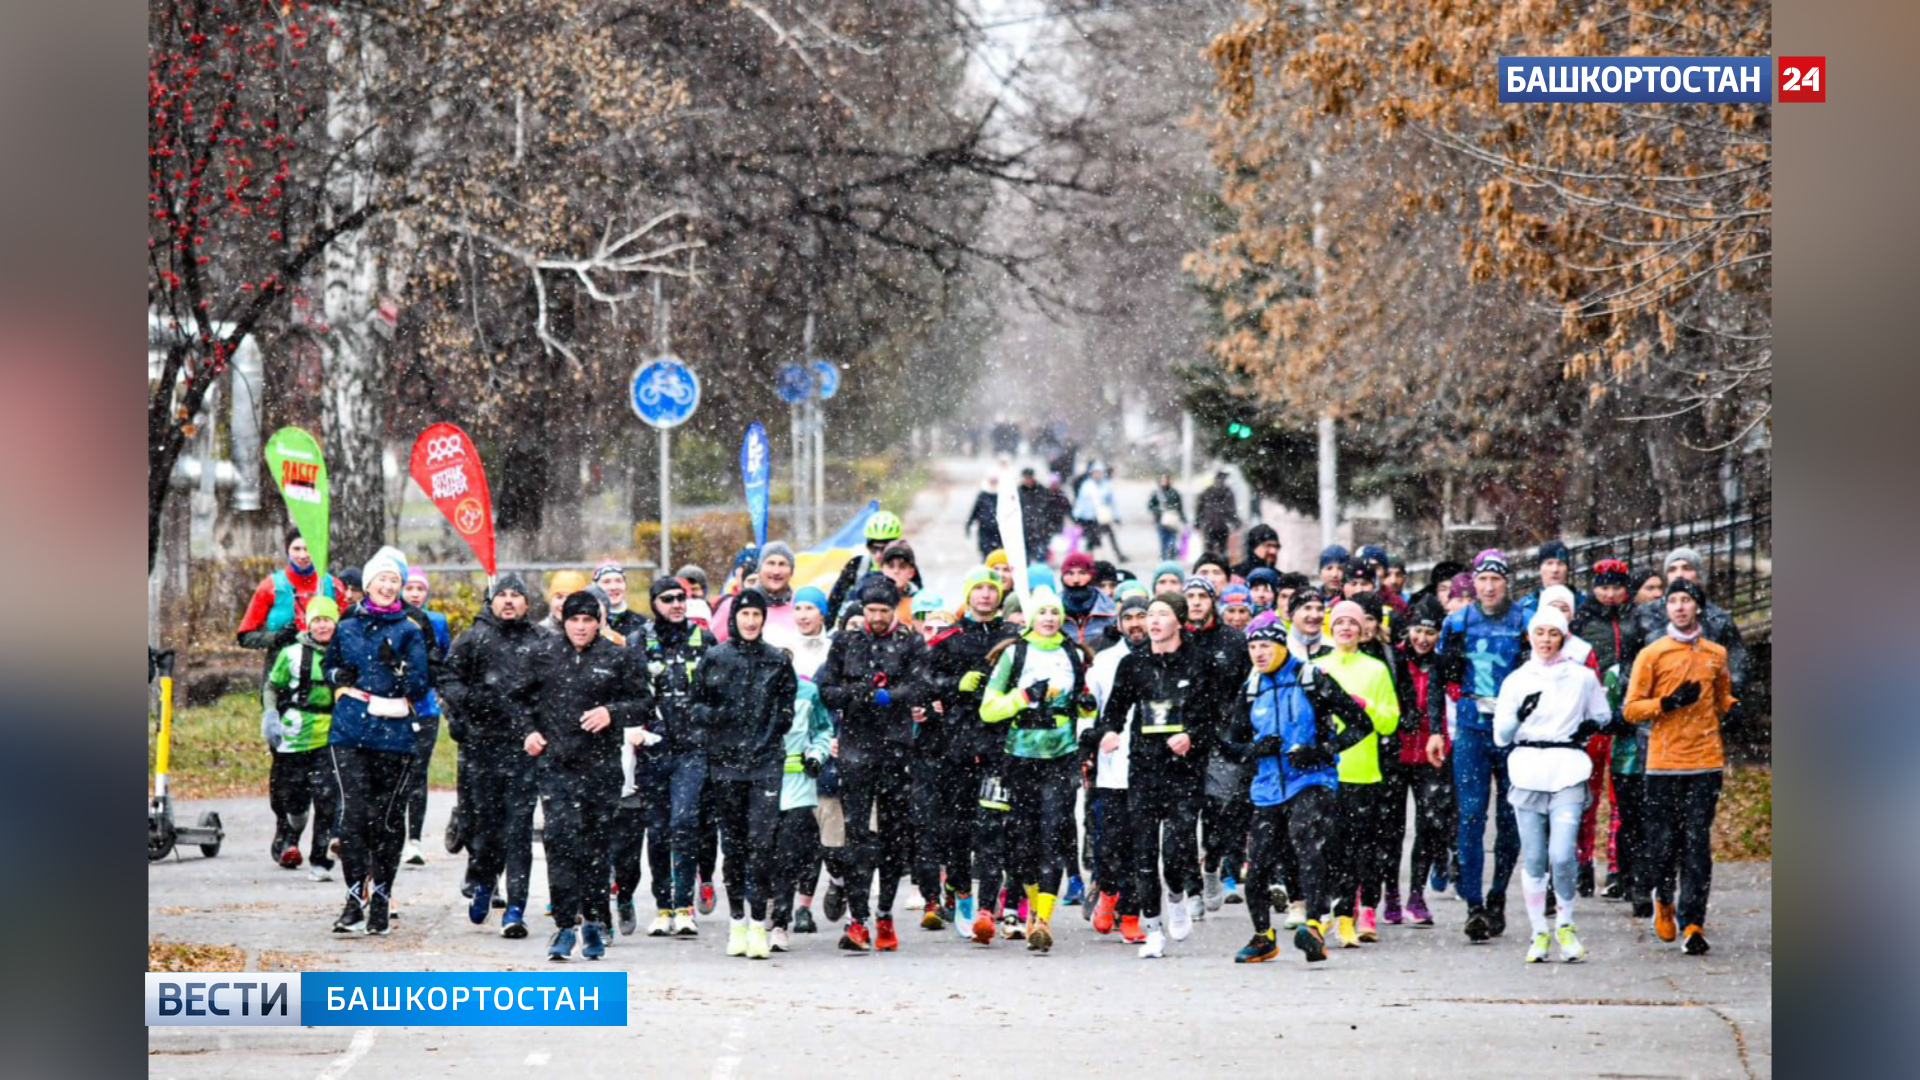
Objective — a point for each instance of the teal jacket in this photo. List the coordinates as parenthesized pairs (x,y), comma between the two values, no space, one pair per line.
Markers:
(808,737)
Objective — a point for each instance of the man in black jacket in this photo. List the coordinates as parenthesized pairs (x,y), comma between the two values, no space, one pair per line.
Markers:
(870,681)
(1606,621)
(1226,813)
(485,670)
(1169,688)
(1263,549)
(672,774)
(586,692)
(743,696)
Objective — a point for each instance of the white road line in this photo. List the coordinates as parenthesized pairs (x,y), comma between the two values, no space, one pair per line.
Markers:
(362,1042)
(729,1059)
(539,1057)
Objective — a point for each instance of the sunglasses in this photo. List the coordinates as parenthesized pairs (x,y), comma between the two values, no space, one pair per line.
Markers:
(671,598)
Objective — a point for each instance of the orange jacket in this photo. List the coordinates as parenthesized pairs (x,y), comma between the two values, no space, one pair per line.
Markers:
(1687,738)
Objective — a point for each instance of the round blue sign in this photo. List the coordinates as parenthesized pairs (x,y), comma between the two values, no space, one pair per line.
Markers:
(792,383)
(829,377)
(665,391)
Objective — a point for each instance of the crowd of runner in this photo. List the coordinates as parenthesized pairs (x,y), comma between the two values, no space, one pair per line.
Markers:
(1144,748)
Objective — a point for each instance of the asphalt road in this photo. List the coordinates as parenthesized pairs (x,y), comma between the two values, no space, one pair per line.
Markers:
(1422,1001)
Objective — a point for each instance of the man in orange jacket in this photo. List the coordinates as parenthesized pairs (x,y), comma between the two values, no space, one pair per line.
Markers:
(1682,687)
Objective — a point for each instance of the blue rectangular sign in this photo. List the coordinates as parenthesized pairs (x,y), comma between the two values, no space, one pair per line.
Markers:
(389,999)
(1623,79)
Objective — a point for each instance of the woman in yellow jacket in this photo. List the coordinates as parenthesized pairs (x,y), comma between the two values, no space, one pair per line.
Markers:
(1681,686)
(1360,859)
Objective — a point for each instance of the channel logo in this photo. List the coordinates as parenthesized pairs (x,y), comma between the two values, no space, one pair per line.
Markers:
(388,998)
(1645,79)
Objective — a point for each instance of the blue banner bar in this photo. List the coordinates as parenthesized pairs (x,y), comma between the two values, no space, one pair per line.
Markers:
(464,999)
(1624,79)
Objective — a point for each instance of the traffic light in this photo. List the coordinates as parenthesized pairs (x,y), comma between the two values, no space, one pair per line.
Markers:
(1237,430)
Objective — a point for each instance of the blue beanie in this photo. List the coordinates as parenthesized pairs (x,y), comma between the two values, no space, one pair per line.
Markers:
(1332,553)
(1040,574)
(1554,549)
(811,595)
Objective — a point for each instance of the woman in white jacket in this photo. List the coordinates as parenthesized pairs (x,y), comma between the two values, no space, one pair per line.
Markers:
(1547,709)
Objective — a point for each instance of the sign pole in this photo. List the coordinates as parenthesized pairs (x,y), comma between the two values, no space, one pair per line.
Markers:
(799,493)
(666,495)
(819,469)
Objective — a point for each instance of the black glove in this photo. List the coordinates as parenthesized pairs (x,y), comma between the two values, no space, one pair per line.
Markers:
(1587,730)
(1265,746)
(1688,693)
(1528,704)
(346,675)
(456,728)
(1324,692)
(287,636)
(1037,691)
(811,766)
(1085,702)
(1309,758)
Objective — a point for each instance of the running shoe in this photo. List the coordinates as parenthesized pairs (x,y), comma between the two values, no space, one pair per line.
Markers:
(1476,928)
(855,938)
(683,924)
(1571,951)
(1257,951)
(289,857)
(593,941)
(414,856)
(759,946)
(1155,945)
(777,940)
(1103,912)
(930,918)
(1497,914)
(1040,938)
(963,916)
(319,873)
(1179,918)
(1232,886)
(884,939)
(1076,890)
(1437,878)
(803,921)
(1213,891)
(1130,931)
(1542,944)
(1196,908)
(662,925)
(1311,940)
(737,937)
(1641,908)
(1696,941)
(514,923)
(379,909)
(1296,915)
(1011,927)
(353,914)
(560,945)
(1417,909)
(481,904)
(1664,926)
(983,927)
(629,919)
(1616,887)
(706,898)
(1369,931)
(834,906)
(1343,929)
(1390,911)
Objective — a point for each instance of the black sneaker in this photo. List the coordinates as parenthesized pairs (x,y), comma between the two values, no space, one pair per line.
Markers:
(1496,914)
(1585,887)
(803,921)
(1694,942)
(377,913)
(629,919)
(1477,929)
(834,906)
(1616,887)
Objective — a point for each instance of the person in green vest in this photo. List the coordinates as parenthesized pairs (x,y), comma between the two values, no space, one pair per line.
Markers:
(298,712)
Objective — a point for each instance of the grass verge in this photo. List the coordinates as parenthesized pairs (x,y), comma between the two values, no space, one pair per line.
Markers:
(218,752)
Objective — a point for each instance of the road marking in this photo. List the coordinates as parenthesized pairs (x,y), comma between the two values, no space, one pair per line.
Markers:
(362,1042)
(729,1059)
(539,1057)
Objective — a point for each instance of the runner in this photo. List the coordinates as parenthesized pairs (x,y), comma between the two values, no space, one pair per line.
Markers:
(589,696)
(1107,802)
(560,585)
(1546,710)
(984,521)
(1290,723)
(1236,605)
(301,705)
(1263,590)
(486,674)
(1360,858)
(611,578)
(776,586)
(1090,612)
(674,648)
(1606,622)
(1420,768)
(1333,569)
(1037,687)
(1167,577)
(1681,689)
(1216,513)
(1094,510)
(811,643)
(377,664)
(1226,811)
(1172,687)
(745,694)
(882,528)
(1480,644)
(807,743)
(1307,613)
(1263,551)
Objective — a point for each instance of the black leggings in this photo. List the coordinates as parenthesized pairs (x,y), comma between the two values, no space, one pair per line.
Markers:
(1680,811)
(1360,857)
(796,848)
(424,738)
(1223,833)
(500,791)
(1433,825)
(1300,824)
(373,813)
(748,813)
(1165,819)
(300,779)
(577,816)
(1042,791)
(1112,846)
(637,833)
(943,798)
(879,781)
(1630,802)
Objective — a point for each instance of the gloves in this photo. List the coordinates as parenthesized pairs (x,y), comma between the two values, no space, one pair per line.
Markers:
(1310,758)
(1587,730)
(1265,746)
(1528,704)
(811,766)
(1085,702)
(1688,693)
(881,697)
(971,681)
(1324,692)
(270,729)
(346,675)
(1037,691)
(287,636)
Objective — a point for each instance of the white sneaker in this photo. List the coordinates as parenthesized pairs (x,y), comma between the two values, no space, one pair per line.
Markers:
(1155,946)
(758,945)
(1296,915)
(319,873)
(413,856)
(1179,918)
(1571,951)
(662,924)
(778,939)
(1214,891)
(737,937)
(1537,952)
(683,924)
(1011,927)
(1196,907)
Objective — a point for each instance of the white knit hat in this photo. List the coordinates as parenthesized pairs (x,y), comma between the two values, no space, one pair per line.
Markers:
(388,560)
(1548,616)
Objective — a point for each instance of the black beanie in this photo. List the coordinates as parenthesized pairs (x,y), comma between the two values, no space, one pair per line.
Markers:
(751,599)
(664,584)
(579,603)
(1301,596)
(881,591)
(510,582)
(1174,600)
(1370,603)
(1690,587)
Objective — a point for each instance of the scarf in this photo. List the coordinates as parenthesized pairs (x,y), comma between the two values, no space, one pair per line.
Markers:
(1685,639)
(381,609)
(1078,600)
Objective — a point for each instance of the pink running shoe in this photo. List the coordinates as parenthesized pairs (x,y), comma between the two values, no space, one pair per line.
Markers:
(1417,909)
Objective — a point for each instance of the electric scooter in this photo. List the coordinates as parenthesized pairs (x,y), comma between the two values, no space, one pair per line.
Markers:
(162,833)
